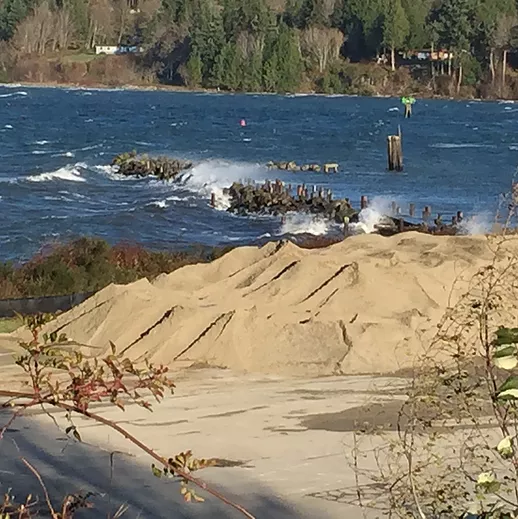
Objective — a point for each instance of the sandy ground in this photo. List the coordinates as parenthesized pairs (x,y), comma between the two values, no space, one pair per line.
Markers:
(291,438)
(294,330)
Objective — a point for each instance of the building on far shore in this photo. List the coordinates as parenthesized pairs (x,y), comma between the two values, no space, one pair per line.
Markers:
(428,55)
(117,49)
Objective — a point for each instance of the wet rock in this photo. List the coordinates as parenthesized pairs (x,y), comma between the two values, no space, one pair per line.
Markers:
(165,168)
(274,198)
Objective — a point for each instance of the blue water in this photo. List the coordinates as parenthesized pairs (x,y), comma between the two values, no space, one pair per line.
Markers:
(56,145)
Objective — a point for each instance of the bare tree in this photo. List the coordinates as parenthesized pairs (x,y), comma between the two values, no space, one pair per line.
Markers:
(62,29)
(322,45)
(101,22)
(250,44)
(502,38)
(121,18)
(35,33)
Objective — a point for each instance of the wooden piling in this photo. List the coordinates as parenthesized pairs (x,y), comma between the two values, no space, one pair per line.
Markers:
(329,195)
(394,153)
(427,211)
(411,210)
(393,206)
(213,199)
(364,202)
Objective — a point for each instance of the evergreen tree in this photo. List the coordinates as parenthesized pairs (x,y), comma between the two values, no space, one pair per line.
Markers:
(395,28)
(312,13)
(192,74)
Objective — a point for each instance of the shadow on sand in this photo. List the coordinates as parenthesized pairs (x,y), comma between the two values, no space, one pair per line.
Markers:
(67,466)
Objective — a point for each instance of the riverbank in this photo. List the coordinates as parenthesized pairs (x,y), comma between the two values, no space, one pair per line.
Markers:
(184,89)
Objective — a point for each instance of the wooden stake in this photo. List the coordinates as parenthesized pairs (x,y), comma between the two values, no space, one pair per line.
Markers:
(411,210)
(394,153)
(364,202)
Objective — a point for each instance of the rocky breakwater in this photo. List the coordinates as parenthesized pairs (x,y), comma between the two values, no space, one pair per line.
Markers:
(277,199)
(164,168)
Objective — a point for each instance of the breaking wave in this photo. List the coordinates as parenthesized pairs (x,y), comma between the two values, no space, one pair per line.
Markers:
(297,223)
(70,173)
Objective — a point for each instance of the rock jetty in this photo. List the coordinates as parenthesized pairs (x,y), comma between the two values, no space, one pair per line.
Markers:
(165,168)
(330,167)
(275,198)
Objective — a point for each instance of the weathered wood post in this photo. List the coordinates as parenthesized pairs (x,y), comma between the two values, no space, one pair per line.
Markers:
(395,152)
(213,199)
(393,207)
(411,210)
(329,195)
(364,202)
(427,211)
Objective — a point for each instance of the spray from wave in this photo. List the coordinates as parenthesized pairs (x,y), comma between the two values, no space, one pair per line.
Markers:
(297,223)
(213,176)
(371,216)
(70,173)
(477,224)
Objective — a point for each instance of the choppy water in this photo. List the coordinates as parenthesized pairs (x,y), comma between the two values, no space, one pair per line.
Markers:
(56,145)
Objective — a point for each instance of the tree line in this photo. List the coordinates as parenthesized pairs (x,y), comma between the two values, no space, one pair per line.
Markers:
(271,45)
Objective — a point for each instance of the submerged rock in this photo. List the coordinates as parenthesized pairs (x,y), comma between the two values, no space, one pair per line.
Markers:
(165,168)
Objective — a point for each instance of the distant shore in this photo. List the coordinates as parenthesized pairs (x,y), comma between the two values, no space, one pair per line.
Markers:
(184,89)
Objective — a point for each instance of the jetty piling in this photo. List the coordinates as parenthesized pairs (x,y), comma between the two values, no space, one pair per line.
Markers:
(364,202)
(213,199)
(395,152)
(411,210)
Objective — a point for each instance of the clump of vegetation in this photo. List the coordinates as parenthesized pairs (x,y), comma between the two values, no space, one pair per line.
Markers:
(90,264)
(263,45)
(60,378)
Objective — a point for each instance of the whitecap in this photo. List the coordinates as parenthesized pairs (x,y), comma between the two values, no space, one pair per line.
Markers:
(12,94)
(69,173)
(452,145)
(162,204)
(8,127)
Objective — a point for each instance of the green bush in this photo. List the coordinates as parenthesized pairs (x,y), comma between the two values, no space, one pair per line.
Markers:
(90,264)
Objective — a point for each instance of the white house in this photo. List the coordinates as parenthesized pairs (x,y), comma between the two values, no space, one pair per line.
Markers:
(106,49)
(117,49)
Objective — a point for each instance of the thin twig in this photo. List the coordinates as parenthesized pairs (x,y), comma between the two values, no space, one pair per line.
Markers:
(47,498)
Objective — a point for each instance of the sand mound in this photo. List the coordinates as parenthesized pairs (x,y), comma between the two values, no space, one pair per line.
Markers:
(368,304)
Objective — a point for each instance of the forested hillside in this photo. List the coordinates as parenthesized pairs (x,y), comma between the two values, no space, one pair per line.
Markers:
(340,46)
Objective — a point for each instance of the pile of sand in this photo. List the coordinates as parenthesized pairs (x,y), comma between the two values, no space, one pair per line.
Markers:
(368,304)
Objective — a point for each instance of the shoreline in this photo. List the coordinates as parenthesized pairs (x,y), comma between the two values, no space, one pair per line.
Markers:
(184,89)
